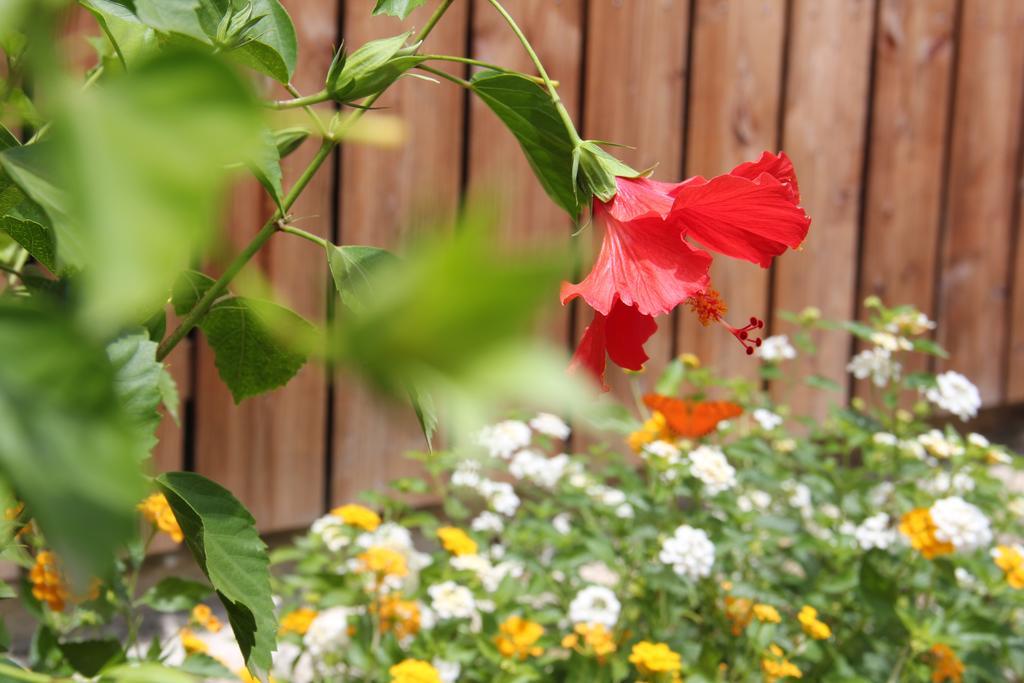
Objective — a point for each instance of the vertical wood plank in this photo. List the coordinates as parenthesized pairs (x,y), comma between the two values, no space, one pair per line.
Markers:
(270,449)
(736,79)
(496,163)
(385,196)
(1015,352)
(914,61)
(635,91)
(982,190)
(823,131)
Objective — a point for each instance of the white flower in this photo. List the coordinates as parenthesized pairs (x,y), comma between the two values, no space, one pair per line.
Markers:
(754,500)
(880,494)
(936,443)
(624,511)
(328,632)
(490,575)
(451,601)
(538,468)
(960,523)
(885,439)
(910,322)
(505,438)
(293,664)
(550,425)
(1016,507)
(891,342)
(561,523)
(332,532)
(708,464)
(876,363)
(800,495)
(776,348)
(487,522)
(978,440)
(595,605)
(663,450)
(767,419)
(599,573)
(784,445)
(500,496)
(874,532)
(831,511)
(913,448)
(467,474)
(395,537)
(448,671)
(955,393)
(965,578)
(689,552)
(607,495)
(943,482)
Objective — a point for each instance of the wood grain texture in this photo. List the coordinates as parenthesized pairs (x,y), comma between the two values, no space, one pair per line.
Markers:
(824,132)
(634,95)
(387,196)
(734,109)
(910,121)
(270,450)
(496,165)
(1015,352)
(982,188)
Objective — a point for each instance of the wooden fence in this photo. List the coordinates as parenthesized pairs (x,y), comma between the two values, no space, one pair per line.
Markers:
(903,118)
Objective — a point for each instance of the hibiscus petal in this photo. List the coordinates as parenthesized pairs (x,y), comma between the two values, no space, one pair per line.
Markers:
(620,335)
(749,219)
(643,262)
(778,166)
(636,197)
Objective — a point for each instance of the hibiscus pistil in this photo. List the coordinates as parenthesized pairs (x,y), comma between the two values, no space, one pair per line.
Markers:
(709,307)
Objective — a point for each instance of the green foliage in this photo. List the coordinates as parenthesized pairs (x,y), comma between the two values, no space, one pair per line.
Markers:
(371,68)
(188,289)
(397,8)
(141,384)
(66,443)
(528,112)
(257,344)
(221,534)
(351,269)
(174,594)
(90,657)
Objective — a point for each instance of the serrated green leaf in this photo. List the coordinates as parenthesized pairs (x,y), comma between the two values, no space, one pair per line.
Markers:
(65,443)
(528,112)
(397,8)
(189,289)
(274,48)
(89,657)
(37,240)
(223,539)
(351,267)
(139,379)
(175,594)
(248,337)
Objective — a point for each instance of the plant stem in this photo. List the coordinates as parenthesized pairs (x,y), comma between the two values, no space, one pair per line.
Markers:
(272,225)
(265,233)
(486,65)
(315,98)
(309,110)
(570,127)
(445,75)
(299,232)
(18,674)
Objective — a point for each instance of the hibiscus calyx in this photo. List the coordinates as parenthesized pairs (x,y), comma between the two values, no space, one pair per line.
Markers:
(595,170)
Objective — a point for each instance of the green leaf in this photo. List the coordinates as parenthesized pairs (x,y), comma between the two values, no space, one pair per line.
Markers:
(397,8)
(180,16)
(248,337)
(152,148)
(174,594)
(426,414)
(266,166)
(822,382)
(89,657)
(274,49)
(222,536)
(140,381)
(147,672)
(65,444)
(288,140)
(189,289)
(38,240)
(528,112)
(206,667)
(351,267)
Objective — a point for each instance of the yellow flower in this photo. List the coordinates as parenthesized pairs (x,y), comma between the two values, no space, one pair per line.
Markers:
(204,616)
(776,666)
(384,561)
(357,515)
(1011,560)
(919,527)
(813,627)
(400,616)
(298,621)
(946,666)
(414,671)
(157,510)
(456,541)
(653,429)
(652,659)
(48,584)
(738,612)
(690,360)
(246,677)
(518,638)
(766,613)
(192,643)
(597,640)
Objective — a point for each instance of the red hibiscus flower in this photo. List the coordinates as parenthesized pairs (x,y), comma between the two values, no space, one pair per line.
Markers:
(646,267)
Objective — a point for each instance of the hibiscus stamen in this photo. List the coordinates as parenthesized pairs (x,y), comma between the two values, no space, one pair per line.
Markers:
(709,307)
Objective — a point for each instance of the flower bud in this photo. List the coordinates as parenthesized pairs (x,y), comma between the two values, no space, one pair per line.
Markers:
(371,68)
(595,170)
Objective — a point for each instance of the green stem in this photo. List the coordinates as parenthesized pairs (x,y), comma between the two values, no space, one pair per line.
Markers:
(272,225)
(309,110)
(315,98)
(299,232)
(486,65)
(445,75)
(265,233)
(18,674)
(570,127)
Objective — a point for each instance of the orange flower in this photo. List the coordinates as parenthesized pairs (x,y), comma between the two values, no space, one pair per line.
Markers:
(400,616)
(1011,560)
(739,611)
(157,510)
(297,621)
(946,666)
(456,541)
(47,581)
(357,515)
(518,638)
(919,527)
(203,615)
(384,561)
